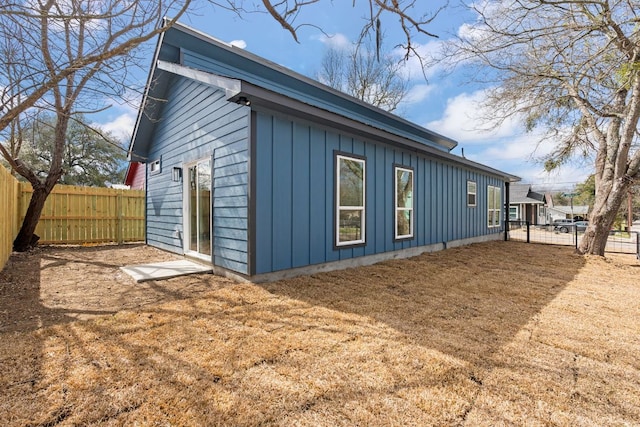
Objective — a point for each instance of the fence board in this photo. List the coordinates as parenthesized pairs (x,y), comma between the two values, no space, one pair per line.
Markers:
(9,203)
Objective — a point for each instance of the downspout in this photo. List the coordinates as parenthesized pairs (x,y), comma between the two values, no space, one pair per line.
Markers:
(506,211)
(213,190)
(146,201)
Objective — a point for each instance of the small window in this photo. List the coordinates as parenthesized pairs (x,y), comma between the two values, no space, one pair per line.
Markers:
(404,203)
(154,167)
(494,199)
(471,193)
(513,213)
(350,200)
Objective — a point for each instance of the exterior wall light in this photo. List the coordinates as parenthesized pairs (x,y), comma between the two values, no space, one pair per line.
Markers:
(243,101)
(176,175)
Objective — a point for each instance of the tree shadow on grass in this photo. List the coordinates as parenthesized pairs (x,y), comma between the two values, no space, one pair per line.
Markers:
(397,343)
(42,340)
(54,285)
(21,308)
(462,302)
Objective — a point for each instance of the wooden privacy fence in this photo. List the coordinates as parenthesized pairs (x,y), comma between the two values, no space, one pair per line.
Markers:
(71,215)
(79,215)
(9,215)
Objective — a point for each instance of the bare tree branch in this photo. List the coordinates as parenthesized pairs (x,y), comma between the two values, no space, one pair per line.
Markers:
(569,67)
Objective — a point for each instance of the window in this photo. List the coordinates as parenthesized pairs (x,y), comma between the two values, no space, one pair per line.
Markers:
(154,167)
(404,202)
(494,199)
(350,191)
(513,213)
(471,193)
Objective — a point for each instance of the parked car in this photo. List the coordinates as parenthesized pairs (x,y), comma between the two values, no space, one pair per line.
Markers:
(581,225)
(564,226)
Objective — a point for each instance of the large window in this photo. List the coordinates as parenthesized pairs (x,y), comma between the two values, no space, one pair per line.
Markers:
(494,200)
(404,202)
(471,193)
(350,191)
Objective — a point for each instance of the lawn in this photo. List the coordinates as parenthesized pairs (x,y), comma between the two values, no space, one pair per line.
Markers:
(500,333)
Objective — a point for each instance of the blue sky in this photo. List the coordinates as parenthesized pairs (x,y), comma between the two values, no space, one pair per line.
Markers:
(445,103)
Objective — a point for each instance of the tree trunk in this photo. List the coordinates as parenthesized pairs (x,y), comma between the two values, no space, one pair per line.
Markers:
(26,238)
(601,219)
(595,237)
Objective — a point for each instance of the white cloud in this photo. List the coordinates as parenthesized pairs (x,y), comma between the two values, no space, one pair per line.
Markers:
(121,127)
(417,93)
(337,41)
(472,32)
(465,119)
(238,43)
(506,147)
(516,157)
(421,64)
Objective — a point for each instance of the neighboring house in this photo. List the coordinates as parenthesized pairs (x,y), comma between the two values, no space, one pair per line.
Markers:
(266,173)
(135,177)
(577,213)
(527,205)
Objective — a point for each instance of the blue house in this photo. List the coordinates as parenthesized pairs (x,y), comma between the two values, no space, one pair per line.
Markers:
(265,173)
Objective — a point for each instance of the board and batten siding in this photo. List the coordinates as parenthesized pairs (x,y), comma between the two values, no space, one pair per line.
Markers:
(197,122)
(294,197)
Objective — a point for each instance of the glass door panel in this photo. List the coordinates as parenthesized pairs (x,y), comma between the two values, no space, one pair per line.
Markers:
(204,207)
(199,208)
(193,209)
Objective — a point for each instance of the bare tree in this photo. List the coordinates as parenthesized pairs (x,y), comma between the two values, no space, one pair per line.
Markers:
(65,57)
(366,73)
(570,68)
(404,12)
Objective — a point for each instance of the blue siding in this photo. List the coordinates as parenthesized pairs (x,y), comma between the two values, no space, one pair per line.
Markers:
(295,191)
(197,123)
(301,186)
(264,180)
(282,194)
(318,158)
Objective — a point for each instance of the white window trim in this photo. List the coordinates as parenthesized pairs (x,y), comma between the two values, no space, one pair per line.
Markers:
(491,191)
(395,200)
(475,193)
(340,208)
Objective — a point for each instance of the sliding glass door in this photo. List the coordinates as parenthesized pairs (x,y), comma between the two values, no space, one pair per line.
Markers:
(197,213)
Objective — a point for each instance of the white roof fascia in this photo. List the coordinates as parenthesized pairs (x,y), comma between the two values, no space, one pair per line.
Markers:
(232,87)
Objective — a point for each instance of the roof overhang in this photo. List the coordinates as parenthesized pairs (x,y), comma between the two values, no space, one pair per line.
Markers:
(230,86)
(271,76)
(260,98)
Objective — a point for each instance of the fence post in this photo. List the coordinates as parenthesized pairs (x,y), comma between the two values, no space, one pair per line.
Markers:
(528,232)
(119,222)
(575,235)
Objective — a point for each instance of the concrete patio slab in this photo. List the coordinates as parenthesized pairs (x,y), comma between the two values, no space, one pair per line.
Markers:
(164,270)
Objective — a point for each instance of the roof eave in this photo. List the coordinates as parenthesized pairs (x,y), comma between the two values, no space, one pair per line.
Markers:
(445,142)
(262,98)
(130,154)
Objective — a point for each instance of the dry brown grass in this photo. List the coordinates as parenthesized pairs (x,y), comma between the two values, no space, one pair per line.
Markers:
(502,333)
